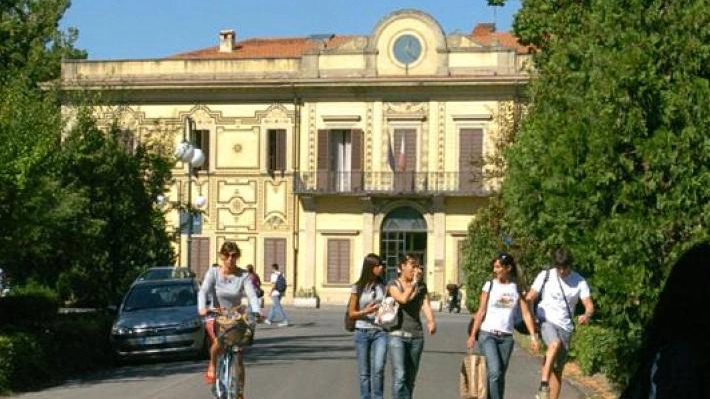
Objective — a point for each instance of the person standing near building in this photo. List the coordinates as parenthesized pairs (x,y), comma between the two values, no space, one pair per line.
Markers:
(278,289)
(256,282)
(406,340)
(563,288)
(370,339)
(493,323)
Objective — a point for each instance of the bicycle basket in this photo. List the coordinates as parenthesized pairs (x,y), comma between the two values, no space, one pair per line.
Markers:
(235,331)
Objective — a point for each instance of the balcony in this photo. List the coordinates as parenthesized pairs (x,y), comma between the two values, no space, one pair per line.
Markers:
(388,183)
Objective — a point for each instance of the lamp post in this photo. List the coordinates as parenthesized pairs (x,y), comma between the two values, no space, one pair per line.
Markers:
(188,153)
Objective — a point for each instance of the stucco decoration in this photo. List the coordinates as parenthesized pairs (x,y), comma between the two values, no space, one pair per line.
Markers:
(406,109)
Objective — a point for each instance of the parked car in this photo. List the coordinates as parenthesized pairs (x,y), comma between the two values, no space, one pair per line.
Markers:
(159,317)
(165,272)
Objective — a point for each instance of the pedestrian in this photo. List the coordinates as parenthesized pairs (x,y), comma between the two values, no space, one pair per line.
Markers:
(370,340)
(493,322)
(563,288)
(675,353)
(406,340)
(256,282)
(278,289)
(227,285)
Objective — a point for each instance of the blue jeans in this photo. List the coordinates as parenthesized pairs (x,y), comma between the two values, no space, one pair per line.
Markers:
(497,350)
(371,351)
(276,308)
(405,354)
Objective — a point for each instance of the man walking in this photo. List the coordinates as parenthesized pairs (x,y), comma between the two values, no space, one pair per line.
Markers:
(561,289)
(278,289)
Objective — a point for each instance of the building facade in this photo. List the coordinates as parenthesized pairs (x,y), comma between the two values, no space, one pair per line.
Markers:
(324,148)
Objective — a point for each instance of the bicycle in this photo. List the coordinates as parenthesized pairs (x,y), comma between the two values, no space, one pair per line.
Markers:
(236,330)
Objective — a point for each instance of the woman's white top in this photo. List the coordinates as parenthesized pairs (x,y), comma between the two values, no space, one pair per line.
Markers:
(502,300)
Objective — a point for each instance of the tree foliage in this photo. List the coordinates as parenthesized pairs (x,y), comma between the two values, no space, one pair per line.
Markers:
(613,157)
(31,45)
(77,213)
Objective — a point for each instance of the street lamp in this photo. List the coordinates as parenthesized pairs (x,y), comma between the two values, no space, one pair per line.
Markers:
(188,153)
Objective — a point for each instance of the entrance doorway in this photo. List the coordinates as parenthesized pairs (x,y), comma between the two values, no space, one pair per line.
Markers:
(404,231)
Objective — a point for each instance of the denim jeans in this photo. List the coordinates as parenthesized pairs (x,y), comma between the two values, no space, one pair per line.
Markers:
(276,308)
(497,350)
(371,352)
(404,354)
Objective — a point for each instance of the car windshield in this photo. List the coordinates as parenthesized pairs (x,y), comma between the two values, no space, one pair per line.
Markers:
(164,273)
(151,296)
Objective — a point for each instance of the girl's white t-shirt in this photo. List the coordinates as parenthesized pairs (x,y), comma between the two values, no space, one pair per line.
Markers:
(502,300)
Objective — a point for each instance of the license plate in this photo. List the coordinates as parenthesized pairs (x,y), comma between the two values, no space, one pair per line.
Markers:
(153,340)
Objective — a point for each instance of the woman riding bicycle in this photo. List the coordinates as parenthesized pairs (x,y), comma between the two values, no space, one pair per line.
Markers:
(226,285)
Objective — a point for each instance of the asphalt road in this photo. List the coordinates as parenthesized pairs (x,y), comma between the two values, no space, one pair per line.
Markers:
(312,358)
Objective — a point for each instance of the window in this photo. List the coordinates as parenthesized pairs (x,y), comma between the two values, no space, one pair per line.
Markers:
(340,159)
(127,140)
(202,141)
(470,158)
(276,152)
(405,159)
(338,261)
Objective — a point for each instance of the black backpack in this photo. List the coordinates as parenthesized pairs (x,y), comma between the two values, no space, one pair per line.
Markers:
(281,283)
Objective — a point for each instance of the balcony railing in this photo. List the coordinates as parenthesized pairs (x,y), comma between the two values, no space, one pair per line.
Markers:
(388,183)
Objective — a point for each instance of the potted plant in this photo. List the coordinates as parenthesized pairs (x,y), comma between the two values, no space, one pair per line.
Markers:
(306,298)
(435,300)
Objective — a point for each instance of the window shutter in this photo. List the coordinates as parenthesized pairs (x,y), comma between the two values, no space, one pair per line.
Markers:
(277,149)
(274,252)
(322,167)
(470,158)
(202,141)
(356,145)
(200,255)
(338,261)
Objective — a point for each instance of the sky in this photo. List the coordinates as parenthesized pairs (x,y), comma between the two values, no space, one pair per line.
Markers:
(144,29)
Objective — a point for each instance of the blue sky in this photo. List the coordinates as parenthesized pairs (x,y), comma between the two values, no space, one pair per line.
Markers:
(129,29)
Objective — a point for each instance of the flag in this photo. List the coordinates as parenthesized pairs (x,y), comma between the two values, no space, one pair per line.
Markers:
(402,158)
(390,154)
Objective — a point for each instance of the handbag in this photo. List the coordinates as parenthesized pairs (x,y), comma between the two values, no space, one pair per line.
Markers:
(388,313)
(349,323)
(473,379)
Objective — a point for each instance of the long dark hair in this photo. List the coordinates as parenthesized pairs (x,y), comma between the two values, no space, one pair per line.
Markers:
(367,275)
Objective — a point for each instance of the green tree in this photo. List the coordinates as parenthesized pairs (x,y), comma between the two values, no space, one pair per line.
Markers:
(31,45)
(124,231)
(613,158)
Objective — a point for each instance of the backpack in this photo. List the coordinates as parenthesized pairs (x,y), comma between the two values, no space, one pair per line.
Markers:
(518,322)
(281,283)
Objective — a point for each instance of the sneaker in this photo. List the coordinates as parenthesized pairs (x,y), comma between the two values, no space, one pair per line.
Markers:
(267,321)
(543,393)
(283,323)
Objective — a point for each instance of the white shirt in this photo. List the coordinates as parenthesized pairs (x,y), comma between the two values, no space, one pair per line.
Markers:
(274,275)
(502,300)
(552,307)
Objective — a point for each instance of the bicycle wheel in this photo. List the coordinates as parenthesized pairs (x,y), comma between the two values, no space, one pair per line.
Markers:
(223,380)
(234,385)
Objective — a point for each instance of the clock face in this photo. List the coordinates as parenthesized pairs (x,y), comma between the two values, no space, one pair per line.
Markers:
(407,49)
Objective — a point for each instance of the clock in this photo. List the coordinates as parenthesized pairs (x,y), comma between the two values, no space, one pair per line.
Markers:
(407,49)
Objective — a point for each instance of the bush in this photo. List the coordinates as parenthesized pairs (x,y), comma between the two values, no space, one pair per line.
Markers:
(54,349)
(28,305)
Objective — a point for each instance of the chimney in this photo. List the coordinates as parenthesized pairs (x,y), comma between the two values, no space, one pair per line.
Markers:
(226,41)
(484,29)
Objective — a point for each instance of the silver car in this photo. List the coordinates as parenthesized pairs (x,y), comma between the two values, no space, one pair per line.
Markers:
(159,317)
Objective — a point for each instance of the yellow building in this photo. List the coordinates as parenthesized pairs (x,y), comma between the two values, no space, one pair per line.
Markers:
(324,148)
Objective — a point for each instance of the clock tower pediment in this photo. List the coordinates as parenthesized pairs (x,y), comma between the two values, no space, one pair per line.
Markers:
(409,42)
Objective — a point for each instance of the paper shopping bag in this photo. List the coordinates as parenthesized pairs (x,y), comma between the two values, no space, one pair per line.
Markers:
(473,379)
